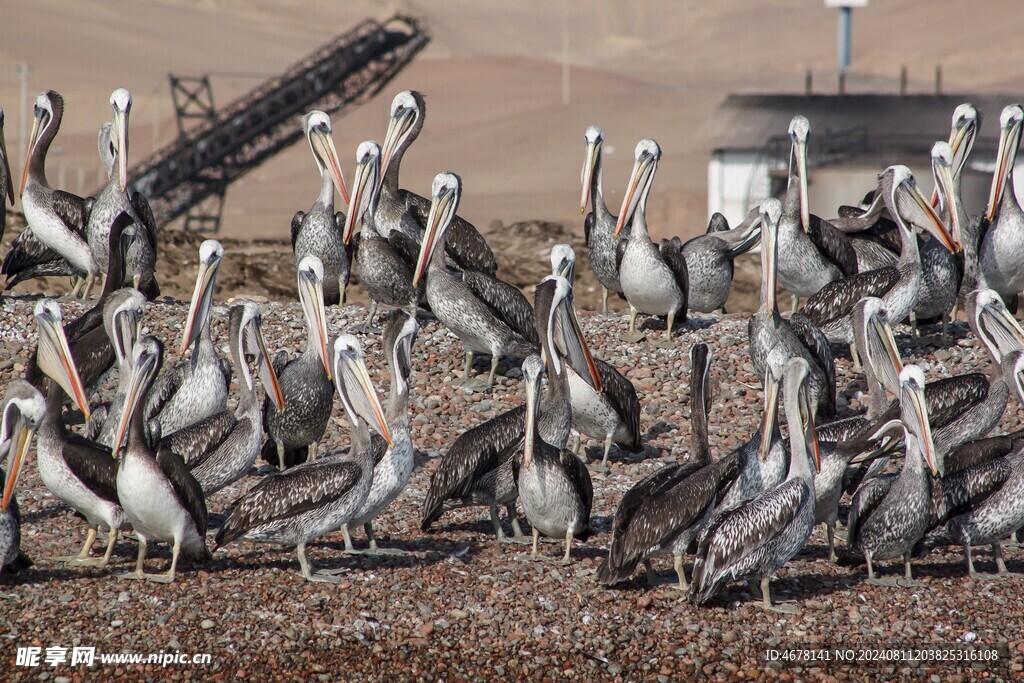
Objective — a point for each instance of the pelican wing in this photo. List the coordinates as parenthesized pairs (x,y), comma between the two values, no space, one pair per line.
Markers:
(837,299)
(164,388)
(465,245)
(188,490)
(621,393)
(92,464)
(816,343)
(506,302)
(979,451)
(833,245)
(297,226)
(867,498)
(195,443)
(672,253)
(965,490)
(145,214)
(283,495)
(29,258)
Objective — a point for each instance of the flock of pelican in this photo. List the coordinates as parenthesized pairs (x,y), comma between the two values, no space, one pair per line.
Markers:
(920,465)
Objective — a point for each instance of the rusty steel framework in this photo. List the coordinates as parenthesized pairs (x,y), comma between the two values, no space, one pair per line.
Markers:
(194,171)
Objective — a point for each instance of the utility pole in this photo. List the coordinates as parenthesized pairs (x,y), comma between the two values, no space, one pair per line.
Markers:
(845,30)
(24,70)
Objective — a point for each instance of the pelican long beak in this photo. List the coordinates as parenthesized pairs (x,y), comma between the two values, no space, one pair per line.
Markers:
(924,215)
(21,439)
(354,383)
(266,370)
(442,209)
(311,294)
(587,174)
(141,372)
(121,128)
(769,246)
(33,138)
(362,198)
(532,404)
(56,361)
(961,137)
(577,353)
(638,180)
(1005,331)
(397,129)
(1009,138)
(323,145)
(201,303)
(771,406)
(808,431)
(918,425)
(800,152)
(891,371)
(7,167)
(944,185)
(127,327)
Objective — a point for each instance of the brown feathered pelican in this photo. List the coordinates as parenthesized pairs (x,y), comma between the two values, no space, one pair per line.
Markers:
(654,278)
(755,539)
(665,511)
(160,497)
(485,313)
(797,337)
(1001,232)
(812,252)
(21,414)
(599,225)
(6,180)
(898,285)
(309,500)
(406,211)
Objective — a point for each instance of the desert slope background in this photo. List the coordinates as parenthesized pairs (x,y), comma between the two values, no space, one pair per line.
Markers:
(492,75)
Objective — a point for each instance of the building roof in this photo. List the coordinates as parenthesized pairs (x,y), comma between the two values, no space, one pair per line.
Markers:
(846,126)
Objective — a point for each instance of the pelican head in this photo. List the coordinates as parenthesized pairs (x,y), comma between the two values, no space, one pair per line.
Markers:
(800,133)
(365,188)
(908,206)
(54,355)
(310,274)
(963,130)
(43,115)
(875,342)
(533,370)
(21,414)
(770,213)
(407,111)
(942,170)
(993,323)
(398,336)
(246,325)
(563,334)
(914,413)
(446,192)
(1009,139)
(355,388)
(211,253)
(9,190)
(563,262)
(122,320)
(645,164)
(800,410)
(594,137)
(317,127)
(121,103)
(774,372)
(146,360)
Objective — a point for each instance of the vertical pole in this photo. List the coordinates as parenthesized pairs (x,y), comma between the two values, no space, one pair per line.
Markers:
(565,52)
(845,33)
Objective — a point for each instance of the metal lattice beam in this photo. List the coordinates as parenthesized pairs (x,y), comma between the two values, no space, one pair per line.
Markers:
(215,152)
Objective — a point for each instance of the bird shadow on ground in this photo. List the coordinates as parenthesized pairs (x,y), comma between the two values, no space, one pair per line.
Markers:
(45,513)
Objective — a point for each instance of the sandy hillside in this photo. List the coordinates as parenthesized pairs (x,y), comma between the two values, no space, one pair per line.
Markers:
(492,75)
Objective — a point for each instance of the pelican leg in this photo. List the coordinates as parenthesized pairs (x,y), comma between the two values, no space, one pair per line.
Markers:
(367,325)
(342,291)
(579,442)
(914,330)
(649,574)
(349,548)
(766,599)
(1001,570)
(321,577)
(795,304)
(103,281)
(496,521)
(467,368)
(280,456)
(855,357)
(1013,540)
(83,555)
(633,335)
(368,528)
(105,560)
(136,279)
(76,286)
(602,467)
(311,452)
(830,529)
(536,539)
(567,559)
(169,576)
(494,371)
(517,531)
(604,300)
(908,575)
(677,561)
(89,282)
(667,342)
(138,574)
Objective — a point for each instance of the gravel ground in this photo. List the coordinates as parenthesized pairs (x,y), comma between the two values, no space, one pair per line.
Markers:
(465,607)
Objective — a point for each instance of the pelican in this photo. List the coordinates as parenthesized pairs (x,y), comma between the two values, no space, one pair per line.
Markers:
(889,515)
(654,278)
(6,180)
(393,467)
(195,388)
(79,472)
(488,315)
(762,534)
(1001,238)
(963,131)
(221,449)
(407,212)
(794,338)
(122,321)
(478,468)
(386,262)
(554,485)
(599,225)
(21,414)
(812,252)
(116,198)
(161,499)
(665,511)
(56,218)
(611,415)
(308,500)
(709,263)
(305,380)
(317,232)
(898,285)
